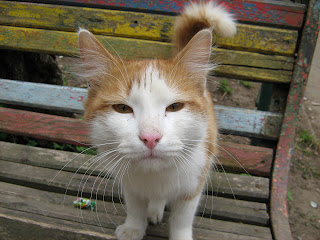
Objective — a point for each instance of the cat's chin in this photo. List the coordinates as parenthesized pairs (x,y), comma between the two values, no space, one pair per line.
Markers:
(151,163)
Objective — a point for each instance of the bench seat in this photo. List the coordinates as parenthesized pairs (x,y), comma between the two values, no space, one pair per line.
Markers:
(32,183)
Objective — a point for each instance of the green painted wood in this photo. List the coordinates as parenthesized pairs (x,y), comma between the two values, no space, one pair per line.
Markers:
(137,25)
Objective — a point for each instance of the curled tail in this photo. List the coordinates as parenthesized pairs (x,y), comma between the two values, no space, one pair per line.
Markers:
(198,16)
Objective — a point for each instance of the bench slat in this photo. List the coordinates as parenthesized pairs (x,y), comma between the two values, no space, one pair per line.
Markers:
(249,59)
(265,12)
(255,160)
(236,120)
(230,119)
(65,43)
(60,181)
(254,74)
(244,187)
(148,26)
(55,210)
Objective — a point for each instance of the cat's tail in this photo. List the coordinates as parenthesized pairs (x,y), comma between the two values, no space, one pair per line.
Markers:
(198,16)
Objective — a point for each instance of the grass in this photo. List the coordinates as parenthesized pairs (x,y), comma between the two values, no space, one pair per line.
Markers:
(309,171)
(289,195)
(225,87)
(309,146)
(310,140)
(246,84)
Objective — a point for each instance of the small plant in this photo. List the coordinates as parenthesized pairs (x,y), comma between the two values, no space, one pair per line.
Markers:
(32,143)
(3,136)
(225,87)
(246,84)
(307,142)
(289,195)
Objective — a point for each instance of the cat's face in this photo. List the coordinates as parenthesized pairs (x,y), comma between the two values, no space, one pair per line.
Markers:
(152,113)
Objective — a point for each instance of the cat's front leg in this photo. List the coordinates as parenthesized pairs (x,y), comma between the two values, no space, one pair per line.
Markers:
(136,223)
(181,218)
(155,210)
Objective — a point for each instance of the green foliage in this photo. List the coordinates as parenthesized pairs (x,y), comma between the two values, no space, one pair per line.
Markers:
(308,139)
(32,143)
(73,148)
(246,84)
(289,195)
(225,87)
(307,143)
(3,136)
(309,170)
(90,151)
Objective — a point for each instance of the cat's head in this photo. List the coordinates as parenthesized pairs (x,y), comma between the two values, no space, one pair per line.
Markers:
(152,113)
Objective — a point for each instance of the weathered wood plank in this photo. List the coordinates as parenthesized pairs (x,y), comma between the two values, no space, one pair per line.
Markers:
(224,184)
(274,13)
(36,201)
(96,187)
(261,123)
(118,23)
(254,74)
(73,131)
(137,25)
(249,59)
(65,43)
(236,120)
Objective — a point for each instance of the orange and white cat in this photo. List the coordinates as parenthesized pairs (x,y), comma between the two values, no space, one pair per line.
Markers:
(154,121)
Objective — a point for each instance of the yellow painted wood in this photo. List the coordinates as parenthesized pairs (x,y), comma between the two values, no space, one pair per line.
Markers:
(254,74)
(243,58)
(65,43)
(138,25)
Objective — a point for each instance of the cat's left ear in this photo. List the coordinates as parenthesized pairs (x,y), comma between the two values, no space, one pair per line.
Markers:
(195,56)
(96,60)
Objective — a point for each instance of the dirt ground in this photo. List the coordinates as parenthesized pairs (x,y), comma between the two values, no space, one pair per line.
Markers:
(304,179)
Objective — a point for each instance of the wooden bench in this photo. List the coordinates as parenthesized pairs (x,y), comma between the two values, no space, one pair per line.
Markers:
(274,45)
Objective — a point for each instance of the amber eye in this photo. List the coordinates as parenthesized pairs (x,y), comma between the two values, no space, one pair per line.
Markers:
(174,107)
(122,108)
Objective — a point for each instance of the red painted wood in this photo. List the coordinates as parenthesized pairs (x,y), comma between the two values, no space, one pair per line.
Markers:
(279,210)
(255,160)
(282,14)
(43,126)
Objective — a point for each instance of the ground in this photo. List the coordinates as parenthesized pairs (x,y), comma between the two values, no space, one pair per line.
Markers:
(304,179)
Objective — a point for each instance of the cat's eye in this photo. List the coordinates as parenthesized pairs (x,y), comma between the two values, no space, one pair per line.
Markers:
(174,107)
(122,108)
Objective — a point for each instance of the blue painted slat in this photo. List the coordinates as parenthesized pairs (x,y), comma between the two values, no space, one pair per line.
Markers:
(230,119)
(44,96)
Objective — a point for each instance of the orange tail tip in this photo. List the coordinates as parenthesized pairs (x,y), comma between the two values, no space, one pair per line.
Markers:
(198,16)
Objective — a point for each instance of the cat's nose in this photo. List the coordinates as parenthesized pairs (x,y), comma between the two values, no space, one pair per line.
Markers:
(150,139)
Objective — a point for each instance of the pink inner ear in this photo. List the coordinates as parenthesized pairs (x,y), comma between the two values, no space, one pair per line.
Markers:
(150,139)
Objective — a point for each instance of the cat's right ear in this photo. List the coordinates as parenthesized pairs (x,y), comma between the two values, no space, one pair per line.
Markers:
(96,60)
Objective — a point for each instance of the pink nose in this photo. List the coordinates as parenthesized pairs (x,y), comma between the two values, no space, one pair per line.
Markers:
(150,139)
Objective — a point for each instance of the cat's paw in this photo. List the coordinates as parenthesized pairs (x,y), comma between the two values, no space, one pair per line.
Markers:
(124,232)
(155,215)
